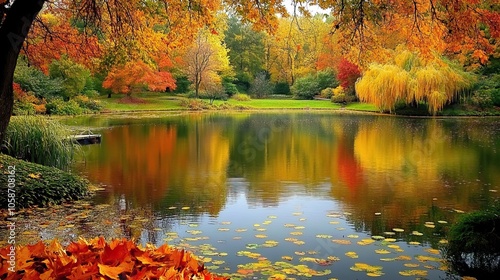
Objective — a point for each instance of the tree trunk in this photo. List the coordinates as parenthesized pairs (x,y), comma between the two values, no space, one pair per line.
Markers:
(13,32)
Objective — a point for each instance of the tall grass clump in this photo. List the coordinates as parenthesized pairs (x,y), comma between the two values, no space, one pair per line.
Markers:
(40,140)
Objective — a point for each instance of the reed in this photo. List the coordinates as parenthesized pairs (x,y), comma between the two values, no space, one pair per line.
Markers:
(40,140)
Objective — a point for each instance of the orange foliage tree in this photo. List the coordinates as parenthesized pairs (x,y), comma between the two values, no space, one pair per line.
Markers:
(136,74)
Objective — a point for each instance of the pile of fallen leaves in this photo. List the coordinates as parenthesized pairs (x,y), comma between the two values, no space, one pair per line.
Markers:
(96,259)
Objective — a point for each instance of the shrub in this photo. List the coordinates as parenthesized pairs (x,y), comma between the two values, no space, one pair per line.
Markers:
(32,79)
(326,93)
(91,93)
(473,247)
(183,84)
(261,87)
(241,97)
(39,140)
(305,88)
(59,107)
(195,104)
(22,108)
(326,78)
(87,103)
(229,87)
(281,88)
(339,98)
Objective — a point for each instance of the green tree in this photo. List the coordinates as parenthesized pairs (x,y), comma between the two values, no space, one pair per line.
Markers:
(74,76)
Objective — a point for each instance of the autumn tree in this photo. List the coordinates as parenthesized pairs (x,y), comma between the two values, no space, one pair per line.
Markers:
(206,61)
(135,75)
(412,79)
(347,74)
(74,76)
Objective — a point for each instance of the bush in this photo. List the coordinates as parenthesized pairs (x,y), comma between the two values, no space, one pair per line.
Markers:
(487,91)
(183,84)
(39,140)
(473,247)
(32,79)
(59,107)
(229,87)
(91,93)
(195,104)
(326,78)
(305,88)
(40,185)
(327,93)
(261,87)
(87,103)
(339,98)
(22,108)
(241,97)
(281,88)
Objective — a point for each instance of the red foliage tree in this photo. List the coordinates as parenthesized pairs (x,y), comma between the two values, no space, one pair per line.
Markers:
(347,73)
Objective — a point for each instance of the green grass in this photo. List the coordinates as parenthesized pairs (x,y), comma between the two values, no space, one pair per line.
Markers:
(362,107)
(284,104)
(153,102)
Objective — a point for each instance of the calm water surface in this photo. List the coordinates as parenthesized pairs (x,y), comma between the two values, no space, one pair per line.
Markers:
(237,188)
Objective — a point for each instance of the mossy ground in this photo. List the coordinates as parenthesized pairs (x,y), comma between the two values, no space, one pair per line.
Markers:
(40,185)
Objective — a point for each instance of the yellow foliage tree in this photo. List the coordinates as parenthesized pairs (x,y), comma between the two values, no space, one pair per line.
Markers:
(411,79)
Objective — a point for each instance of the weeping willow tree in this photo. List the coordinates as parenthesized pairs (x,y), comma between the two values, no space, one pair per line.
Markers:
(413,80)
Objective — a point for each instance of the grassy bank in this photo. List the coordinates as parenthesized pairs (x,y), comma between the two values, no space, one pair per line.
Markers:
(36,184)
(149,101)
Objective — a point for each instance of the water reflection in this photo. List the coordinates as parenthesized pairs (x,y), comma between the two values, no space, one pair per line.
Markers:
(401,167)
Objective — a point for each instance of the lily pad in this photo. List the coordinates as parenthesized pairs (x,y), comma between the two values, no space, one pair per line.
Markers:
(352,255)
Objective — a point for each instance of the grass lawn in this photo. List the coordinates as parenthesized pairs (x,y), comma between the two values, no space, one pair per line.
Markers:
(150,101)
(283,104)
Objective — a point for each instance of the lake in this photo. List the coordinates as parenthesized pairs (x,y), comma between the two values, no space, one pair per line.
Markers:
(331,195)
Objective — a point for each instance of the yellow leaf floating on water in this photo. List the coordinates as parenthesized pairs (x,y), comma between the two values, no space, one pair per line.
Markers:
(300,253)
(390,240)
(296,233)
(326,236)
(342,241)
(240,230)
(261,236)
(352,255)
(256,225)
(287,258)
(416,233)
(388,259)
(194,232)
(398,230)
(382,251)
(225,223)
(403,258)
(378,237)
(272,217)
(421,258)
(334,222)
(261,229)
(442,222)
(389,233)
(299,227)
(412,265)
(414,272)
(289,225)
(353,236)
(299,242)
(371,270)
(443,241)
(186,208)
(365,241)
(278,276)
(266,222)
(223,229)
(414,243)
(432,251)
(393,246)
